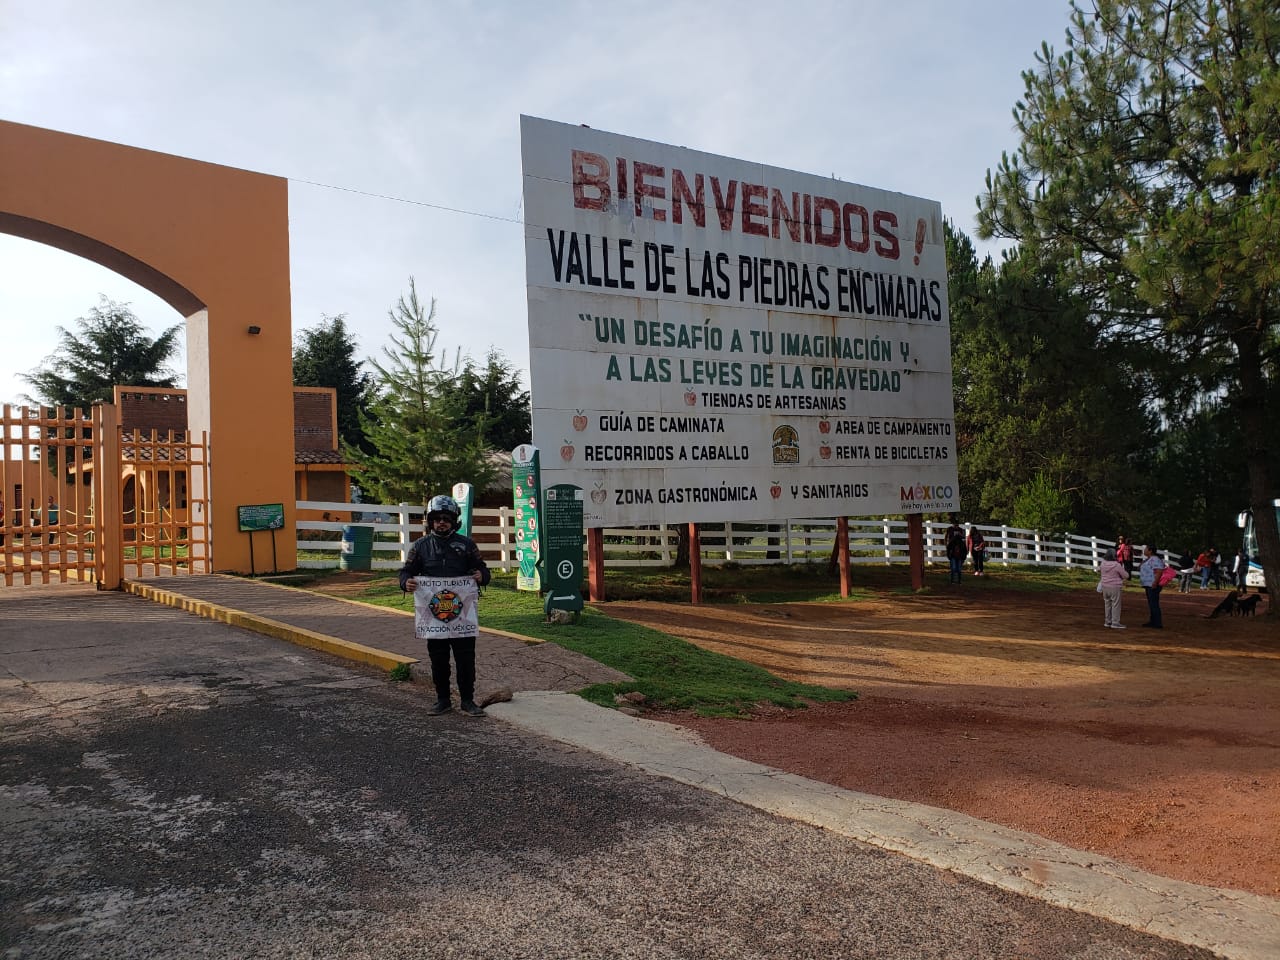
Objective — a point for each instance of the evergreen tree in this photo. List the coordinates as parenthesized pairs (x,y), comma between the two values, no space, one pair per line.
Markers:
(1041,504)
(494,404)
(112,348)
(1041,403)
(325,356)
(422,444)
(1200,463)
(1149,174)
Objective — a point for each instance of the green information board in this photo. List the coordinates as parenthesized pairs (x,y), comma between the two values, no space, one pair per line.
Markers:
(562,536)
(261,516)
(526,492)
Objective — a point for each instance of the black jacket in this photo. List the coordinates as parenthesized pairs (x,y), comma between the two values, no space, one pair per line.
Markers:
(451,556)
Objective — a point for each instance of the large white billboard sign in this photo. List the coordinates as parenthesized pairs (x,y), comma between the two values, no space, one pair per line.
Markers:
(712,339)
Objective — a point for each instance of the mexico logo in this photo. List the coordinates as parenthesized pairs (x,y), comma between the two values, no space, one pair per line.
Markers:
(445,605)
(922,491)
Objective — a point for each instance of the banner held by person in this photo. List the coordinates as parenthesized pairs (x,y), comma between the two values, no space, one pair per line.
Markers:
(445,607)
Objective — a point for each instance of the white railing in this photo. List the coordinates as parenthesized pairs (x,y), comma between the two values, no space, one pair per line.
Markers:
(796,541)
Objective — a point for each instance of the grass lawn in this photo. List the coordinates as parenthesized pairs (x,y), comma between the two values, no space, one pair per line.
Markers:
(675,674)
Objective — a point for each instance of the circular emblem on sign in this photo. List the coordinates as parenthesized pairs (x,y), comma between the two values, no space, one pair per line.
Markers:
(445,606)
(565,569)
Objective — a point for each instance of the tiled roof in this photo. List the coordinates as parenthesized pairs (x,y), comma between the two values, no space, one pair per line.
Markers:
(158,454)
(317,456)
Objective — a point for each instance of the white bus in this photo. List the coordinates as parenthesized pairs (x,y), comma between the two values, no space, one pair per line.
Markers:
(1245,522)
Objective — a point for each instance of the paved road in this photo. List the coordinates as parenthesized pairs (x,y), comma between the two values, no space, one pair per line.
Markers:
(176,787)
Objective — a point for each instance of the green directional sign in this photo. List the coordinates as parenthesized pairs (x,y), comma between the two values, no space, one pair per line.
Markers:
(526,493)
(562,536)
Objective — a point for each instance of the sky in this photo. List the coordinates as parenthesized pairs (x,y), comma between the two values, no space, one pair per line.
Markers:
(397,125)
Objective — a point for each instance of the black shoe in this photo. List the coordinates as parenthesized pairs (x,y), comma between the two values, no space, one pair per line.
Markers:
(471,708)
(439,707)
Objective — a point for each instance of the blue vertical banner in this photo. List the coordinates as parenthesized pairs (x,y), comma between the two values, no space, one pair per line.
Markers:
(463,493)
(526,492)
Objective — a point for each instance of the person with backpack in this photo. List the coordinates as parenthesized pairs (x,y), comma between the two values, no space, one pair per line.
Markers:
(956,547)
(977,544)
(445,553)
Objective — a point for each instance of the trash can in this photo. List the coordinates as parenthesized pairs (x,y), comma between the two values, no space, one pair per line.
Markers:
(357,548)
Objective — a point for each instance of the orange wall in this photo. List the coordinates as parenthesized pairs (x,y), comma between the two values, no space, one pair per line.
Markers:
(211,241)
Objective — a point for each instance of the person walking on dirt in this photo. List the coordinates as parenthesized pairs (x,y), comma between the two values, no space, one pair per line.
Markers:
(443,552)
(1149,575)
(978,550)
(956,549)
(1112,576)
(1124,554)
(1239,571)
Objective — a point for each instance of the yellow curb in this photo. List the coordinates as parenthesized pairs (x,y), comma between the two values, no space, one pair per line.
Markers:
(346,649)
(403,613)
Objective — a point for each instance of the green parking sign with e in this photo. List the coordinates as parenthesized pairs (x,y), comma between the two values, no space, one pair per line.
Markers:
(562,538)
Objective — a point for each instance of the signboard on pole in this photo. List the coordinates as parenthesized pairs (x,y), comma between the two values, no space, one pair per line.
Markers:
(713,339)
(260,516)
(562,536)
(463,494)
(526,492)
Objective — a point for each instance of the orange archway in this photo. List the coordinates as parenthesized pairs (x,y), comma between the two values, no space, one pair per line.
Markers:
(211,241)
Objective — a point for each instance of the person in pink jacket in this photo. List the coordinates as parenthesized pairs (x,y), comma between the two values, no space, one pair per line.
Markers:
(1110,585)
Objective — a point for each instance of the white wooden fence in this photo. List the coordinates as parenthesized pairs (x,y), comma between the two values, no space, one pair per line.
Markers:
(797,541)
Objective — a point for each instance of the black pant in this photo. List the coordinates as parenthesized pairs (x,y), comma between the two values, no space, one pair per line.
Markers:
(1153,607)
(464,655)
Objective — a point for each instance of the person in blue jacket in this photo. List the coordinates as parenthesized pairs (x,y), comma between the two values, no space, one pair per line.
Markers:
(443,552)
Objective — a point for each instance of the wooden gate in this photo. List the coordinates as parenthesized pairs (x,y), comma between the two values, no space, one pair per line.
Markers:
(83,500)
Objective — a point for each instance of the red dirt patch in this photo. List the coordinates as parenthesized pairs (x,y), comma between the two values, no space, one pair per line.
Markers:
(1159,748)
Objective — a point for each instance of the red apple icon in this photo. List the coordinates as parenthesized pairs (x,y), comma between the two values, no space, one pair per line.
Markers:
(824,426)
(690,398)
(599,496)
(824,452)
(775,491)
(566,451)
(579,421)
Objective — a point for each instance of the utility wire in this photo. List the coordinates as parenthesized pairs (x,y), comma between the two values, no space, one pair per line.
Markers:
(416,203)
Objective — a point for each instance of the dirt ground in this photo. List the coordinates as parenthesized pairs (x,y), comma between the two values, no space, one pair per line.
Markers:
(1159,748)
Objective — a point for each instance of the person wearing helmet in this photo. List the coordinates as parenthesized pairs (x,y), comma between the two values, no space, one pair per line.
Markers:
(443,552)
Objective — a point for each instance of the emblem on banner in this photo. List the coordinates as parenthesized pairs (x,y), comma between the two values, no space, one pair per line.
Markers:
(445,606)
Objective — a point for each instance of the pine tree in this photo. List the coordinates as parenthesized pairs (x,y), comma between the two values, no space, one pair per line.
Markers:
(112,348)
(494,403)
(325,356)
(1149,174)
(1040,400)
(422,444)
